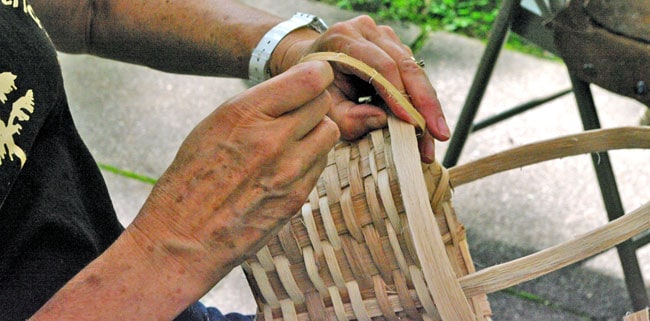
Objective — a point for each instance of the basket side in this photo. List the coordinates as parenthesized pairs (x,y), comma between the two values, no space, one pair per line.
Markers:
(349,253)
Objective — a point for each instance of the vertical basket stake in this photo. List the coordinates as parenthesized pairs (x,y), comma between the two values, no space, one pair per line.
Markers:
(441,279)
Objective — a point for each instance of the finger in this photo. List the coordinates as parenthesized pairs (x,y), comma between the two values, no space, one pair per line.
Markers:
(424,98)
(427,148)
(411,78)
(291,89)
(384,51)
(320,139)
(355,119)
(303,120)
(312,151)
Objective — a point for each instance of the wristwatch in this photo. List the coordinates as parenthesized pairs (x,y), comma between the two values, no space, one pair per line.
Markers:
(258,67)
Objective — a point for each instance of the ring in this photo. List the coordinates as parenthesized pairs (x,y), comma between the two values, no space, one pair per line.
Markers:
(419,62)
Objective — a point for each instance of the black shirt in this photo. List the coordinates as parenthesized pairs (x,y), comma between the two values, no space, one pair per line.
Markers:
(55,213)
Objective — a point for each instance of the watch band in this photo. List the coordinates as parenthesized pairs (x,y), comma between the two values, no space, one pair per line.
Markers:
(258,67)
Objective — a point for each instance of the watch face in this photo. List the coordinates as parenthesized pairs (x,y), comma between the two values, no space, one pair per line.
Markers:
(318,25)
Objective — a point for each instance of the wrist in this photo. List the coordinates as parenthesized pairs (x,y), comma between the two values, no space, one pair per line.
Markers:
(166,242)
(259,68)
(291,49)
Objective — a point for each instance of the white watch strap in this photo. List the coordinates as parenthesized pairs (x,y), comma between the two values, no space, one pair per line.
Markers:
(258,67)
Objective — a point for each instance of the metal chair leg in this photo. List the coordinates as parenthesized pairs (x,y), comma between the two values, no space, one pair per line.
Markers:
(609,190)
(481,79)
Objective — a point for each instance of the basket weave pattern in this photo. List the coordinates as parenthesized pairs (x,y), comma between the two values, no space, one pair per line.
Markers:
(349,255)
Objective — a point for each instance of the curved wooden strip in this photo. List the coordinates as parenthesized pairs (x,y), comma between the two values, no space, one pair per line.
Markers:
(583,143)
(289,283)
(264,285)
(404,296)
(382,299)
(349,215)
(438,272)
(337,304)
(421,289)
(375,77)
(333,264)
(532,266)
(397,249)
(265,258)
(288,310)
(328,223)
(386,196)
(360,312)
(268,313)
(310,226)
(312,270)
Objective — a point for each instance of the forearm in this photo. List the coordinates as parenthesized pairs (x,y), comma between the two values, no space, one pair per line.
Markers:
(133,279)
(205,37)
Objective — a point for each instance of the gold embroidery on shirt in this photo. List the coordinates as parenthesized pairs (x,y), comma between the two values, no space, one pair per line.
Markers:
(21,109)
(27,9)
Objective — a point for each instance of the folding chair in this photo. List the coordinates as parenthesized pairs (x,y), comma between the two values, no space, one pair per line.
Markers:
(517,16)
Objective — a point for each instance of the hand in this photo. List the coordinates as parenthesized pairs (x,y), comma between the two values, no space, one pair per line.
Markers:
(379,47)
(243,172)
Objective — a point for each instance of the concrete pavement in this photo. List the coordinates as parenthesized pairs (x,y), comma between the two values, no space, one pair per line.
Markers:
(135,118)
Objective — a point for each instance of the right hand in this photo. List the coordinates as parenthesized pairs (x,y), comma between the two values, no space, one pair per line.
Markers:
(242,173)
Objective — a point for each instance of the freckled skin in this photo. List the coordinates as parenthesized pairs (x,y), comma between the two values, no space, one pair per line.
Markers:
(248,166)
(240,181)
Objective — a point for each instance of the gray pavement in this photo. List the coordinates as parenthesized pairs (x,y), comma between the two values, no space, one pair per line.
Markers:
(135,118)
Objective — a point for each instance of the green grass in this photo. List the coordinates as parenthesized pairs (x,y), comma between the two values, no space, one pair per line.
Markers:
(127,174)
(473,18)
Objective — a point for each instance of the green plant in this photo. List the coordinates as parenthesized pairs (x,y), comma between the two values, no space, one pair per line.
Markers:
(473,18)
(470,17)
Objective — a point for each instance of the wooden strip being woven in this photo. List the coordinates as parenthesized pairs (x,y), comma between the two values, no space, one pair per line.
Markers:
(643,315)
(349,254)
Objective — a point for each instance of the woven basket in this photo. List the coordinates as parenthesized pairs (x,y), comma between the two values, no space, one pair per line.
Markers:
(349,254)
(378,237)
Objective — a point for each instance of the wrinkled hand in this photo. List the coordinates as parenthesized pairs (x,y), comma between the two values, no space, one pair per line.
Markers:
(379,47)
(243,171)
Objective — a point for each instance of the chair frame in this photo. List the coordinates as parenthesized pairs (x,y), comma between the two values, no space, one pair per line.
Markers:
(513,17)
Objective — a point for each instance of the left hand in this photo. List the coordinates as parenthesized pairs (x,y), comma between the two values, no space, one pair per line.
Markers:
(379,47)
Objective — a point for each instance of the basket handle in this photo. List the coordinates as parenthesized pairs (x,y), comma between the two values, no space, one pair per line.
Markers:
(375,77)
(586,142)
(505,275)
(532,266)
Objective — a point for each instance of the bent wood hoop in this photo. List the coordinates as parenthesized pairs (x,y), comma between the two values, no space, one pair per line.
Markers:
(378,235)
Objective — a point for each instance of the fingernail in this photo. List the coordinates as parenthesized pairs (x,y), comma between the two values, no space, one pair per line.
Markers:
(428,150)
(443,128)
(375,122)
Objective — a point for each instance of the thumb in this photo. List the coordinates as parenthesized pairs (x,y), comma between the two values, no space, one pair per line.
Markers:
(293,88)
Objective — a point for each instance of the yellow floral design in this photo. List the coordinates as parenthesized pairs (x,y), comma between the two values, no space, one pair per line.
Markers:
(21,109)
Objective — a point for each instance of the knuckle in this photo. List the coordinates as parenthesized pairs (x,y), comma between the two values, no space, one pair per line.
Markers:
(350,129)
(343,27)
(356,23)
(388,65)
(387,30)
(408,64)
(313,79)
(331,132)
(366,21)
(289,172)
(408,50)
(270,146)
